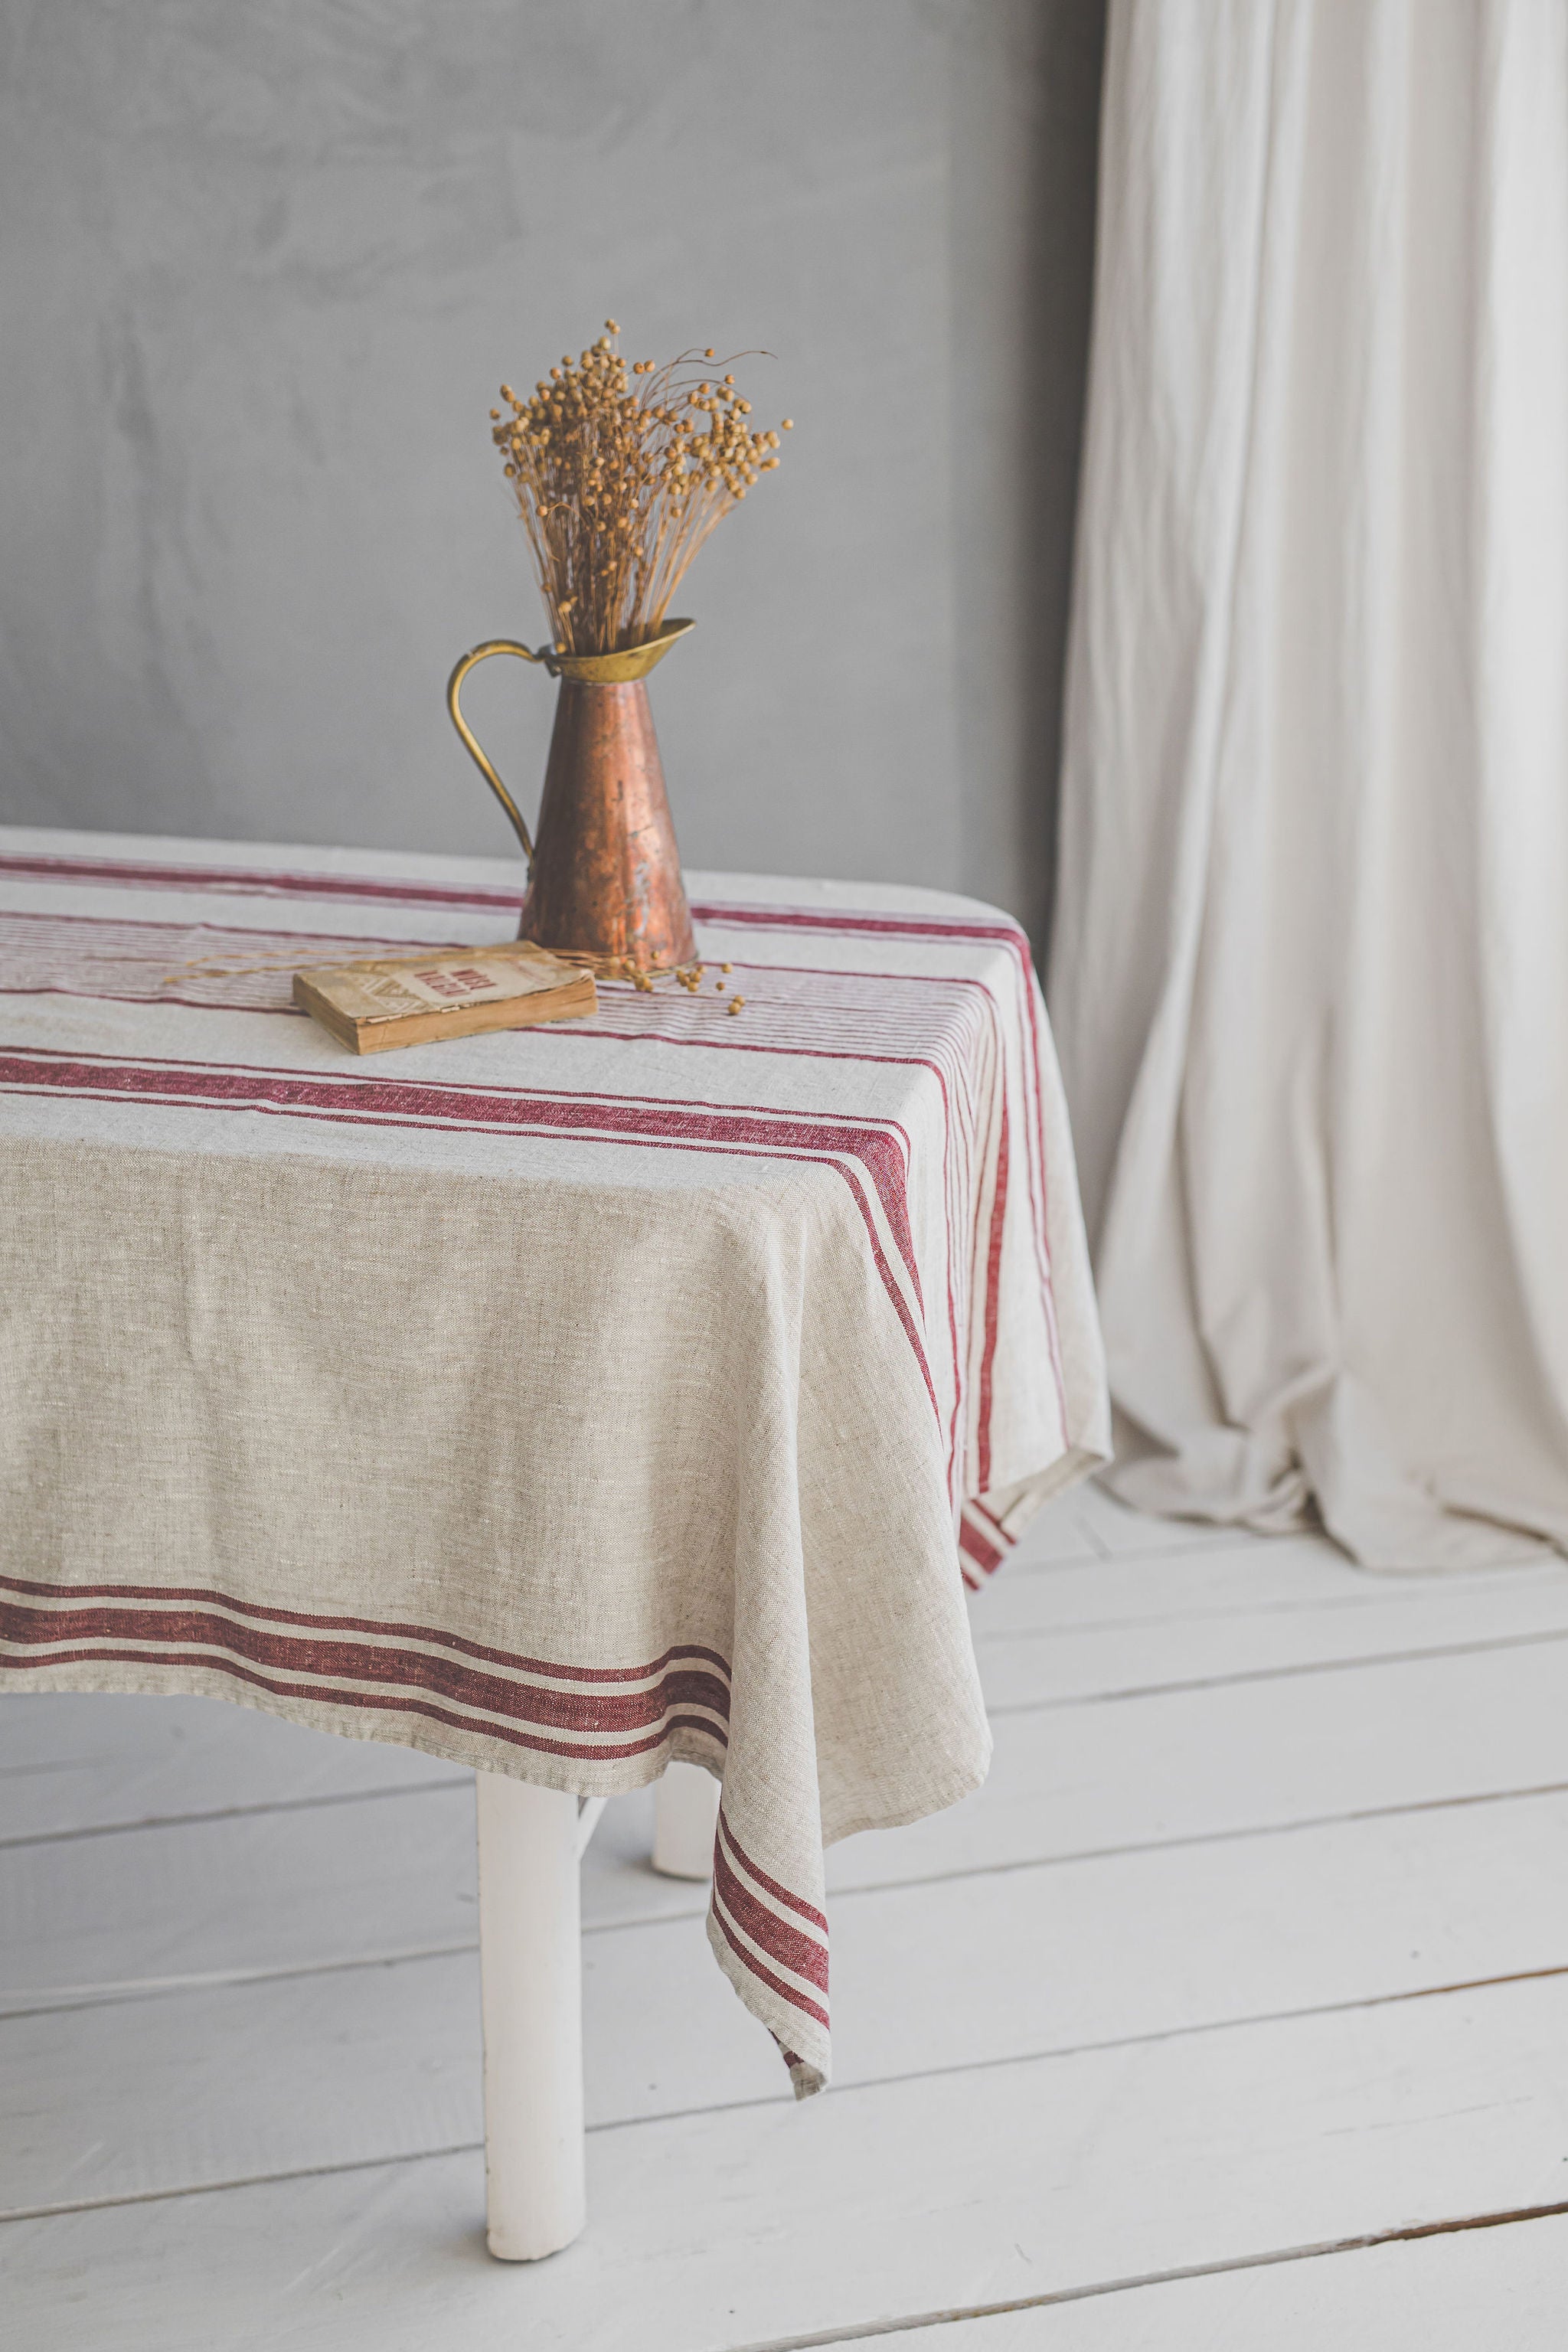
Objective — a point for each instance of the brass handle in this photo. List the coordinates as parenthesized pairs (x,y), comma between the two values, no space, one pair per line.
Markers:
(454,683)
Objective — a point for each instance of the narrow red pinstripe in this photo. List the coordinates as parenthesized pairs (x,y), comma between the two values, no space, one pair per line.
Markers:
(133,926)
(992,1290)
(267,881)
(257,881)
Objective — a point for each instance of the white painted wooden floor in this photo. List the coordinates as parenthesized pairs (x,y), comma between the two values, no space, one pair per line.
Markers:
(1232,2013)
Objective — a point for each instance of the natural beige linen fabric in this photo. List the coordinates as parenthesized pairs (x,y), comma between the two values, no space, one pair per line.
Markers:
(561,1400)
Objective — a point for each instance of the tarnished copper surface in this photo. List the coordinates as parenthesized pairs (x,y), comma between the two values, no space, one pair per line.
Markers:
(605,882)
(606,872)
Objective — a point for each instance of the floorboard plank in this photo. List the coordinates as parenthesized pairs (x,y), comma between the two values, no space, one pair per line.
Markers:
(1120,1533)
(76,1762)
(1106,2111)
(1473,2287)
(1157,1587)
(1239,1758)
(185,2087)
(1062,1532)
(257,1894)
(1189,1764)
(1052,1663)
(723,2229)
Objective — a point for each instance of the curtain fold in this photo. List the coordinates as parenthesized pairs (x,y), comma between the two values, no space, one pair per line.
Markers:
(1310,973)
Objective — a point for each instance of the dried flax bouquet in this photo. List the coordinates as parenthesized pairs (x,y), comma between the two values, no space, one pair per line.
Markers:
(619,478)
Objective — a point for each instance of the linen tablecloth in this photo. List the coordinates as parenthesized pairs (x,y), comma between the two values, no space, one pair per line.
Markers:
(561,1401)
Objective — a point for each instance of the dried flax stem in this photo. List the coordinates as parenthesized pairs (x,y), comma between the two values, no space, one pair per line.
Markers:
(619,489)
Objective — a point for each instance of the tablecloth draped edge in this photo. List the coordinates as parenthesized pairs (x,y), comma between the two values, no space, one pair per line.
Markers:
(1013,1505)
(571,1776)
(809,2071)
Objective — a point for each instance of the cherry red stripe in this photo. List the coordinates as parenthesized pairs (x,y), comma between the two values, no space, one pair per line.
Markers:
(265,881)
(394,1630)
(375,1099)
(360,1101)
(660,1143)
(992,1292)
(255,881)
(810,918)
(118,926)
(779,1893)
(985,1555)
(754,1966)
(780,1942)
(618,1712)
(377,1701)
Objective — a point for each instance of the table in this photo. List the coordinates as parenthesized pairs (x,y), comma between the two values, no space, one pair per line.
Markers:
(571,1401)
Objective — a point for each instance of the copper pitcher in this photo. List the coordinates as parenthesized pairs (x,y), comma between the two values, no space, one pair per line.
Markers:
(603,875)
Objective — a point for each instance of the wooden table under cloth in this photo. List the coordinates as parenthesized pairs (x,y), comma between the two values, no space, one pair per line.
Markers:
(562,1401)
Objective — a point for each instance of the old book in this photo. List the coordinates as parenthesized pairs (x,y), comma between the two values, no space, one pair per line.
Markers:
(412,1000)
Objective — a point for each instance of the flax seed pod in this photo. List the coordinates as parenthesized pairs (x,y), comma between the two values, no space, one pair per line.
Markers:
(619,488)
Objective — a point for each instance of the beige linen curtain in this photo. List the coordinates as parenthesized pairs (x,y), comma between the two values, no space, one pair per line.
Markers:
(1309,978)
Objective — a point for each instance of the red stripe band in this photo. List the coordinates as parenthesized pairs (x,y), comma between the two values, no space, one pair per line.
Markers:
(802,1953)
(613,1712)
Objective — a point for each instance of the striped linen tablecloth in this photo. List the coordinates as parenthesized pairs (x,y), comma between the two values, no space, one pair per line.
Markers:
(561,1400)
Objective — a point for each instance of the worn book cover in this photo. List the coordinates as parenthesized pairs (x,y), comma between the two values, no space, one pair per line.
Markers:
(412,1000)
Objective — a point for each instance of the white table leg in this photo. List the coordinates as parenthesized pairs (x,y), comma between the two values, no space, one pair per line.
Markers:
(530,1967)
(685,1821)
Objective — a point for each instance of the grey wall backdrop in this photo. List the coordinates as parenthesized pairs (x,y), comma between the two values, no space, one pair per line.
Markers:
(262,267)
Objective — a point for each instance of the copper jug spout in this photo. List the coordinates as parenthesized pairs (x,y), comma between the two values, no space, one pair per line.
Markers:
(605,885)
